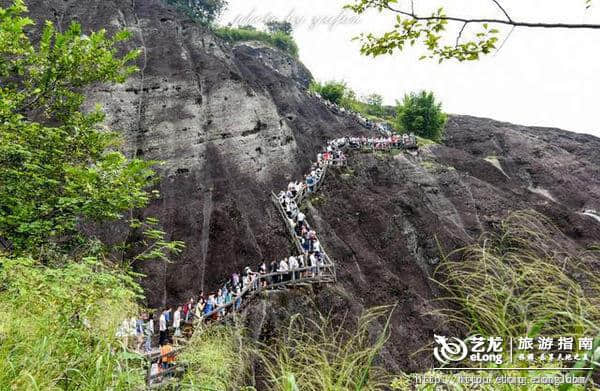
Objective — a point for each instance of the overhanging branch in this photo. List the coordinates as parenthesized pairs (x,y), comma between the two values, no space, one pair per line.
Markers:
(509,21)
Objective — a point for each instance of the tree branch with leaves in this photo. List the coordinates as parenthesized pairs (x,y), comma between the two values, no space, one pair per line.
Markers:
(431,30)
(60,168)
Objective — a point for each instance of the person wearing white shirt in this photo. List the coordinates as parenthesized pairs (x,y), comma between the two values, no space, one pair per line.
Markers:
(162,327)
(300,217)
(316,246)
(177,323)
(294,266)
(283,267)
(313,262)
(148,332)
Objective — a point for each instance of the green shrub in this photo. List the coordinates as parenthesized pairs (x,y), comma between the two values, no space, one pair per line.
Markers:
(204,12)
(333,91)
(284,42)
(420,114)
(278,40)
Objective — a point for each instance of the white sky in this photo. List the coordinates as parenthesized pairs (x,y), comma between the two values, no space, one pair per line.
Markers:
(540,77)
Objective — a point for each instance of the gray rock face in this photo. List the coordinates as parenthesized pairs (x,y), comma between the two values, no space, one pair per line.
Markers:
(229,123)
(382,217)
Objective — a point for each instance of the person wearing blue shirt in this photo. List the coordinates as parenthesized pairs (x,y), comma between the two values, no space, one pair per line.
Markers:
(310,182)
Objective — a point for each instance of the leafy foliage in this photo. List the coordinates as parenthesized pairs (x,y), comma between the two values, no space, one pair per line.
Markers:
(279,40)
(475,37)
(275,26)
(154,244)
(57,165)
(333,91)
(429,31)
(61,295)
(419,113)
(204,12)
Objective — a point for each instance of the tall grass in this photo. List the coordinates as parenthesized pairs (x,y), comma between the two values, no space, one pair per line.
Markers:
(217,358)
(521,281)
(328,356)
(57,329)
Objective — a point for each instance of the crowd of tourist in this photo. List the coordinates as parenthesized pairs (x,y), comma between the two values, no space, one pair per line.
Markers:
(383,128)
(404,141)
(311,259)
(139,332)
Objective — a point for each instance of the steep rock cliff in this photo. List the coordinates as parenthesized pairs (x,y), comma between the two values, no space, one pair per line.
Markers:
(231,123)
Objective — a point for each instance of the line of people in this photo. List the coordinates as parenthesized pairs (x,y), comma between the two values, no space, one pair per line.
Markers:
(404,141)
(381,127)
(312,254)
(139,332)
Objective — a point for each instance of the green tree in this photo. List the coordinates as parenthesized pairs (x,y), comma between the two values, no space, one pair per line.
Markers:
(202,11)
(333,91)
(476,36)
(58,167)
(275,26)
(61,303)
(375,105)
(419,113)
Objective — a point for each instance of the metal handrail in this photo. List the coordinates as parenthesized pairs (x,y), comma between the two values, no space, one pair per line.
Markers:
(287,221)
(265,277)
